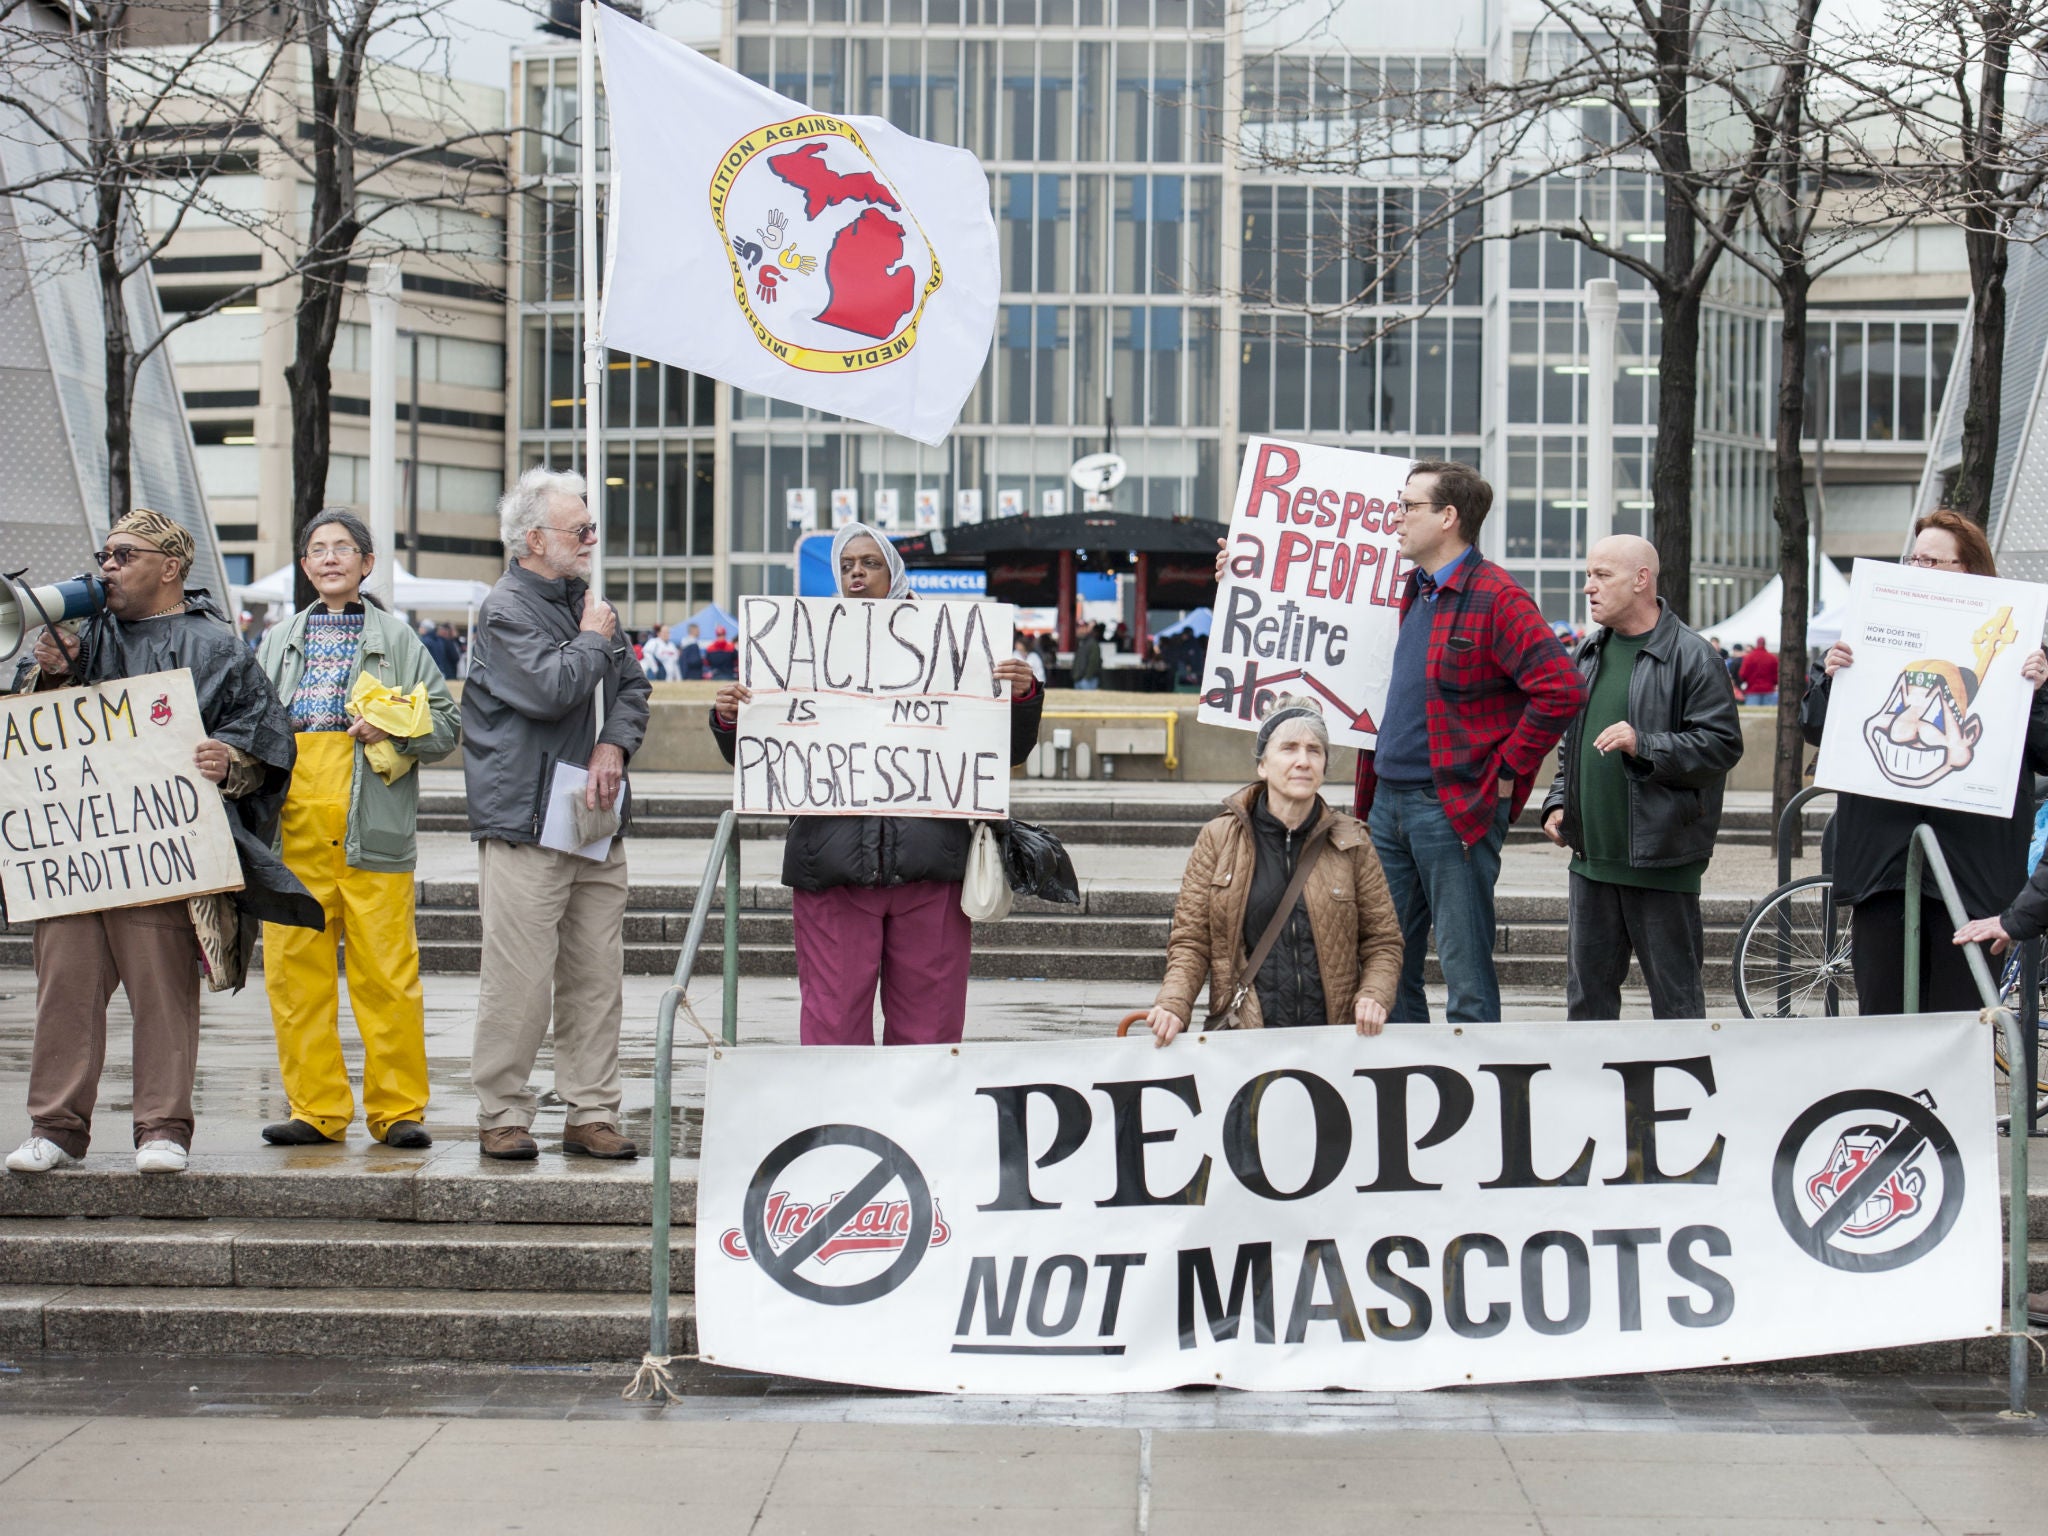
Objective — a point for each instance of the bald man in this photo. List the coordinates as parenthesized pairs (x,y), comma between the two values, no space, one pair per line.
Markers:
(1637,797)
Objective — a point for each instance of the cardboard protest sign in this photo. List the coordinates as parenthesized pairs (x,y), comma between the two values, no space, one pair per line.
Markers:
(100,804)
(1933,710)
(873,708)
(1311,591)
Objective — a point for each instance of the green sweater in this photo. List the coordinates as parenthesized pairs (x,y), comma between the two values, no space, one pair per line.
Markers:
(1603,783)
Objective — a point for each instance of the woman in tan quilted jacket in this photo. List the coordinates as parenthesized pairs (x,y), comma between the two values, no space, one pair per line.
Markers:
(1338,956)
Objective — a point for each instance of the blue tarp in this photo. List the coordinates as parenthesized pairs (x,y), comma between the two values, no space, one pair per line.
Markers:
(1196,623)
(707,619)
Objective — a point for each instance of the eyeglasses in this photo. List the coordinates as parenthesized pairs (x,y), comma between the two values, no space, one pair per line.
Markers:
(582,533)
(1417,506)
(121,554)
(1929,563)
(339,551)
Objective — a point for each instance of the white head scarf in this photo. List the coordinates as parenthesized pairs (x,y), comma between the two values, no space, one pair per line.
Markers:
(899,579)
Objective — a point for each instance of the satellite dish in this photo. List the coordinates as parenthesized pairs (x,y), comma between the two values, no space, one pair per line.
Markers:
(1099,472)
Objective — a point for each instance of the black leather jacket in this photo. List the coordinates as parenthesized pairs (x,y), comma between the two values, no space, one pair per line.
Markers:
(877,851)
(1688,735)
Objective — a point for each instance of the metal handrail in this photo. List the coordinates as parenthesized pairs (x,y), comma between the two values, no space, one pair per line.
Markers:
(1924,853)
(725,860)
(1170,716)
(1787,820)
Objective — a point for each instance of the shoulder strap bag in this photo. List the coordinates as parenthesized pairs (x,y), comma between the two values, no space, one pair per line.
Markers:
(1226,1017)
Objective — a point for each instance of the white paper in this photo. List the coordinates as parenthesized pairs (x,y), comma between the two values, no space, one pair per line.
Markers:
(1933,711)
(101,805)
(1569,1200)
(865,707)
(558,828)
(1310,601)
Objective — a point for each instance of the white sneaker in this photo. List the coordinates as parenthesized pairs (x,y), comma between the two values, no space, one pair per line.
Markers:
(39,1155)
(161,1156)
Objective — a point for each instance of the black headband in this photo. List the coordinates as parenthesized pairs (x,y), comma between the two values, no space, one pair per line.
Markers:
(1278,718)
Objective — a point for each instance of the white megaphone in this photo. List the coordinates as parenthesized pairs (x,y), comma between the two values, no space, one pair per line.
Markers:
(24,609)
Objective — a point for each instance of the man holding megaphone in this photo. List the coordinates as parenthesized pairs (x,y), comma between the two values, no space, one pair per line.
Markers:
(150,621)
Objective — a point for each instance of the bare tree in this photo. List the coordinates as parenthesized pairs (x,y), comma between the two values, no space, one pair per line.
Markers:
(102,128)
(363,181)
(1946,72)
(1593,86)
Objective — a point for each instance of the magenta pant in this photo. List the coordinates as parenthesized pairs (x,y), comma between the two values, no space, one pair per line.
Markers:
(912,939)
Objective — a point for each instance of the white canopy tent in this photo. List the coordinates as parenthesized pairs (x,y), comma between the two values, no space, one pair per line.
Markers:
(1760,615)
(410,592)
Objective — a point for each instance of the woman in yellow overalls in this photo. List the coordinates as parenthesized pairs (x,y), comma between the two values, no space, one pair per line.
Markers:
(368,705)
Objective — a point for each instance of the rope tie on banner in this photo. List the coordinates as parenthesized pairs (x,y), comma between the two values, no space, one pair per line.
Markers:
(654,1380)
(683,1007)
(2032,1338)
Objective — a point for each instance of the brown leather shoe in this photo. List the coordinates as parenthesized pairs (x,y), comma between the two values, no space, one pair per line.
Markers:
(597,1139)
(509,1142)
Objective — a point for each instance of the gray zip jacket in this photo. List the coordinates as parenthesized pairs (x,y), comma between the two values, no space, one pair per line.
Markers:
(528,701)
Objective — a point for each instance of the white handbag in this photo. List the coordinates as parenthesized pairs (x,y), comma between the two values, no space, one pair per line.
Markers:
(985,891)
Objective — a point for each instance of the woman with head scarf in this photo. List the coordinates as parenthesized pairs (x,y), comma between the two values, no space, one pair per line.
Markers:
(1337,957)
(876,900)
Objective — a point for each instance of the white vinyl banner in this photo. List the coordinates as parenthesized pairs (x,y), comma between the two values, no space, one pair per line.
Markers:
(1299,1209)
(100,804)
(1310,601)
(1934,709)
(835,262)
(865,707)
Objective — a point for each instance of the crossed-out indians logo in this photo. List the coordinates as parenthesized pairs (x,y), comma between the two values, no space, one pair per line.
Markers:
(879,1226)
(830,269)
(1926,728)
(1868,1180)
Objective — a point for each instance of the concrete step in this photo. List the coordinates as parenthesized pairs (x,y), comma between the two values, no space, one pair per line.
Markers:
(359,1324)
(365,1255)
(356,1184)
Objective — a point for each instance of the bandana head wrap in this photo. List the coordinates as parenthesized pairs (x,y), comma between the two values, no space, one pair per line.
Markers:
(899,579)
(159,533)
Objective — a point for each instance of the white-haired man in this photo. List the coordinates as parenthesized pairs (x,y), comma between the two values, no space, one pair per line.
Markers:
(553,922)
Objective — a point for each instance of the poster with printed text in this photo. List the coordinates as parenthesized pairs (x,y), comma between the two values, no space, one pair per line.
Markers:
(862,707)
(1933,710)
(1311,591)
(100,804)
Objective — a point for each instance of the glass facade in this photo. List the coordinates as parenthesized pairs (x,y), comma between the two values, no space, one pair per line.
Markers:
(1153,287)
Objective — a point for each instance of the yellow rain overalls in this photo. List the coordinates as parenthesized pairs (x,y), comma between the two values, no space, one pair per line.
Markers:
(371,914)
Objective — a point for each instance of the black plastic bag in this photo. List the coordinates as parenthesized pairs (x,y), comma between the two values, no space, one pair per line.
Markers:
(1038,865)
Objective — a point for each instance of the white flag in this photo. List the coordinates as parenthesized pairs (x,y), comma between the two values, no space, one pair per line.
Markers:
(835,262)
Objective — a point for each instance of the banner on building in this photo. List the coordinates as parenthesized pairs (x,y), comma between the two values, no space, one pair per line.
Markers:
(1299,1209)
(835,262)
(873,708)
(1311,596)
(1934,709)
(100,804)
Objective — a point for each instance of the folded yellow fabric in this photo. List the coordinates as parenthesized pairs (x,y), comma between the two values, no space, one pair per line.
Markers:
(397,714)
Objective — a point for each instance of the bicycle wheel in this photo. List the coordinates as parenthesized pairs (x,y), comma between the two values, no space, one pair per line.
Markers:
(2009,994)
(1792,955)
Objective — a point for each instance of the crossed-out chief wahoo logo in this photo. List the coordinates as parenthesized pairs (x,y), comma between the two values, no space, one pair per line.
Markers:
(1925,730)
(1868,1180)
(830,268)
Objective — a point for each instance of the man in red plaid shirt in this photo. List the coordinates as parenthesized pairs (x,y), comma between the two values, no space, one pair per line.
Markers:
(1481,692)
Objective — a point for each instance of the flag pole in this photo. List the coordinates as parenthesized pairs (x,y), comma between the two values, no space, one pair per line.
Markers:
(593,345)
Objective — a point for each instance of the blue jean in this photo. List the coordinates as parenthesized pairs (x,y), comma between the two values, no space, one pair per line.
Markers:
(1764,698)
(1088,682)
(1437,881)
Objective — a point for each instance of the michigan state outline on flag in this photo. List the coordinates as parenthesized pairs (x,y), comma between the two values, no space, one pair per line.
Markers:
(835,262)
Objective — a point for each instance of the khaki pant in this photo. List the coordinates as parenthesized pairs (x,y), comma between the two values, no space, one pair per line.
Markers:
(553,947)
(79,960)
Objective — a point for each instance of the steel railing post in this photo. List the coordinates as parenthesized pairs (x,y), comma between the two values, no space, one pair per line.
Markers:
(730,1021)
(2020,1098)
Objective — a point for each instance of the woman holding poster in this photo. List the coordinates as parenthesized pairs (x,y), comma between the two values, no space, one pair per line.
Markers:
(368,705)
(1986,853)
(1284,911)
(876,899)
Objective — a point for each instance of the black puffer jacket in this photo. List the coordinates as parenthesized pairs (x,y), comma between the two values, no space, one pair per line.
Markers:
(826,851)
(1688,736)
(1290,983)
